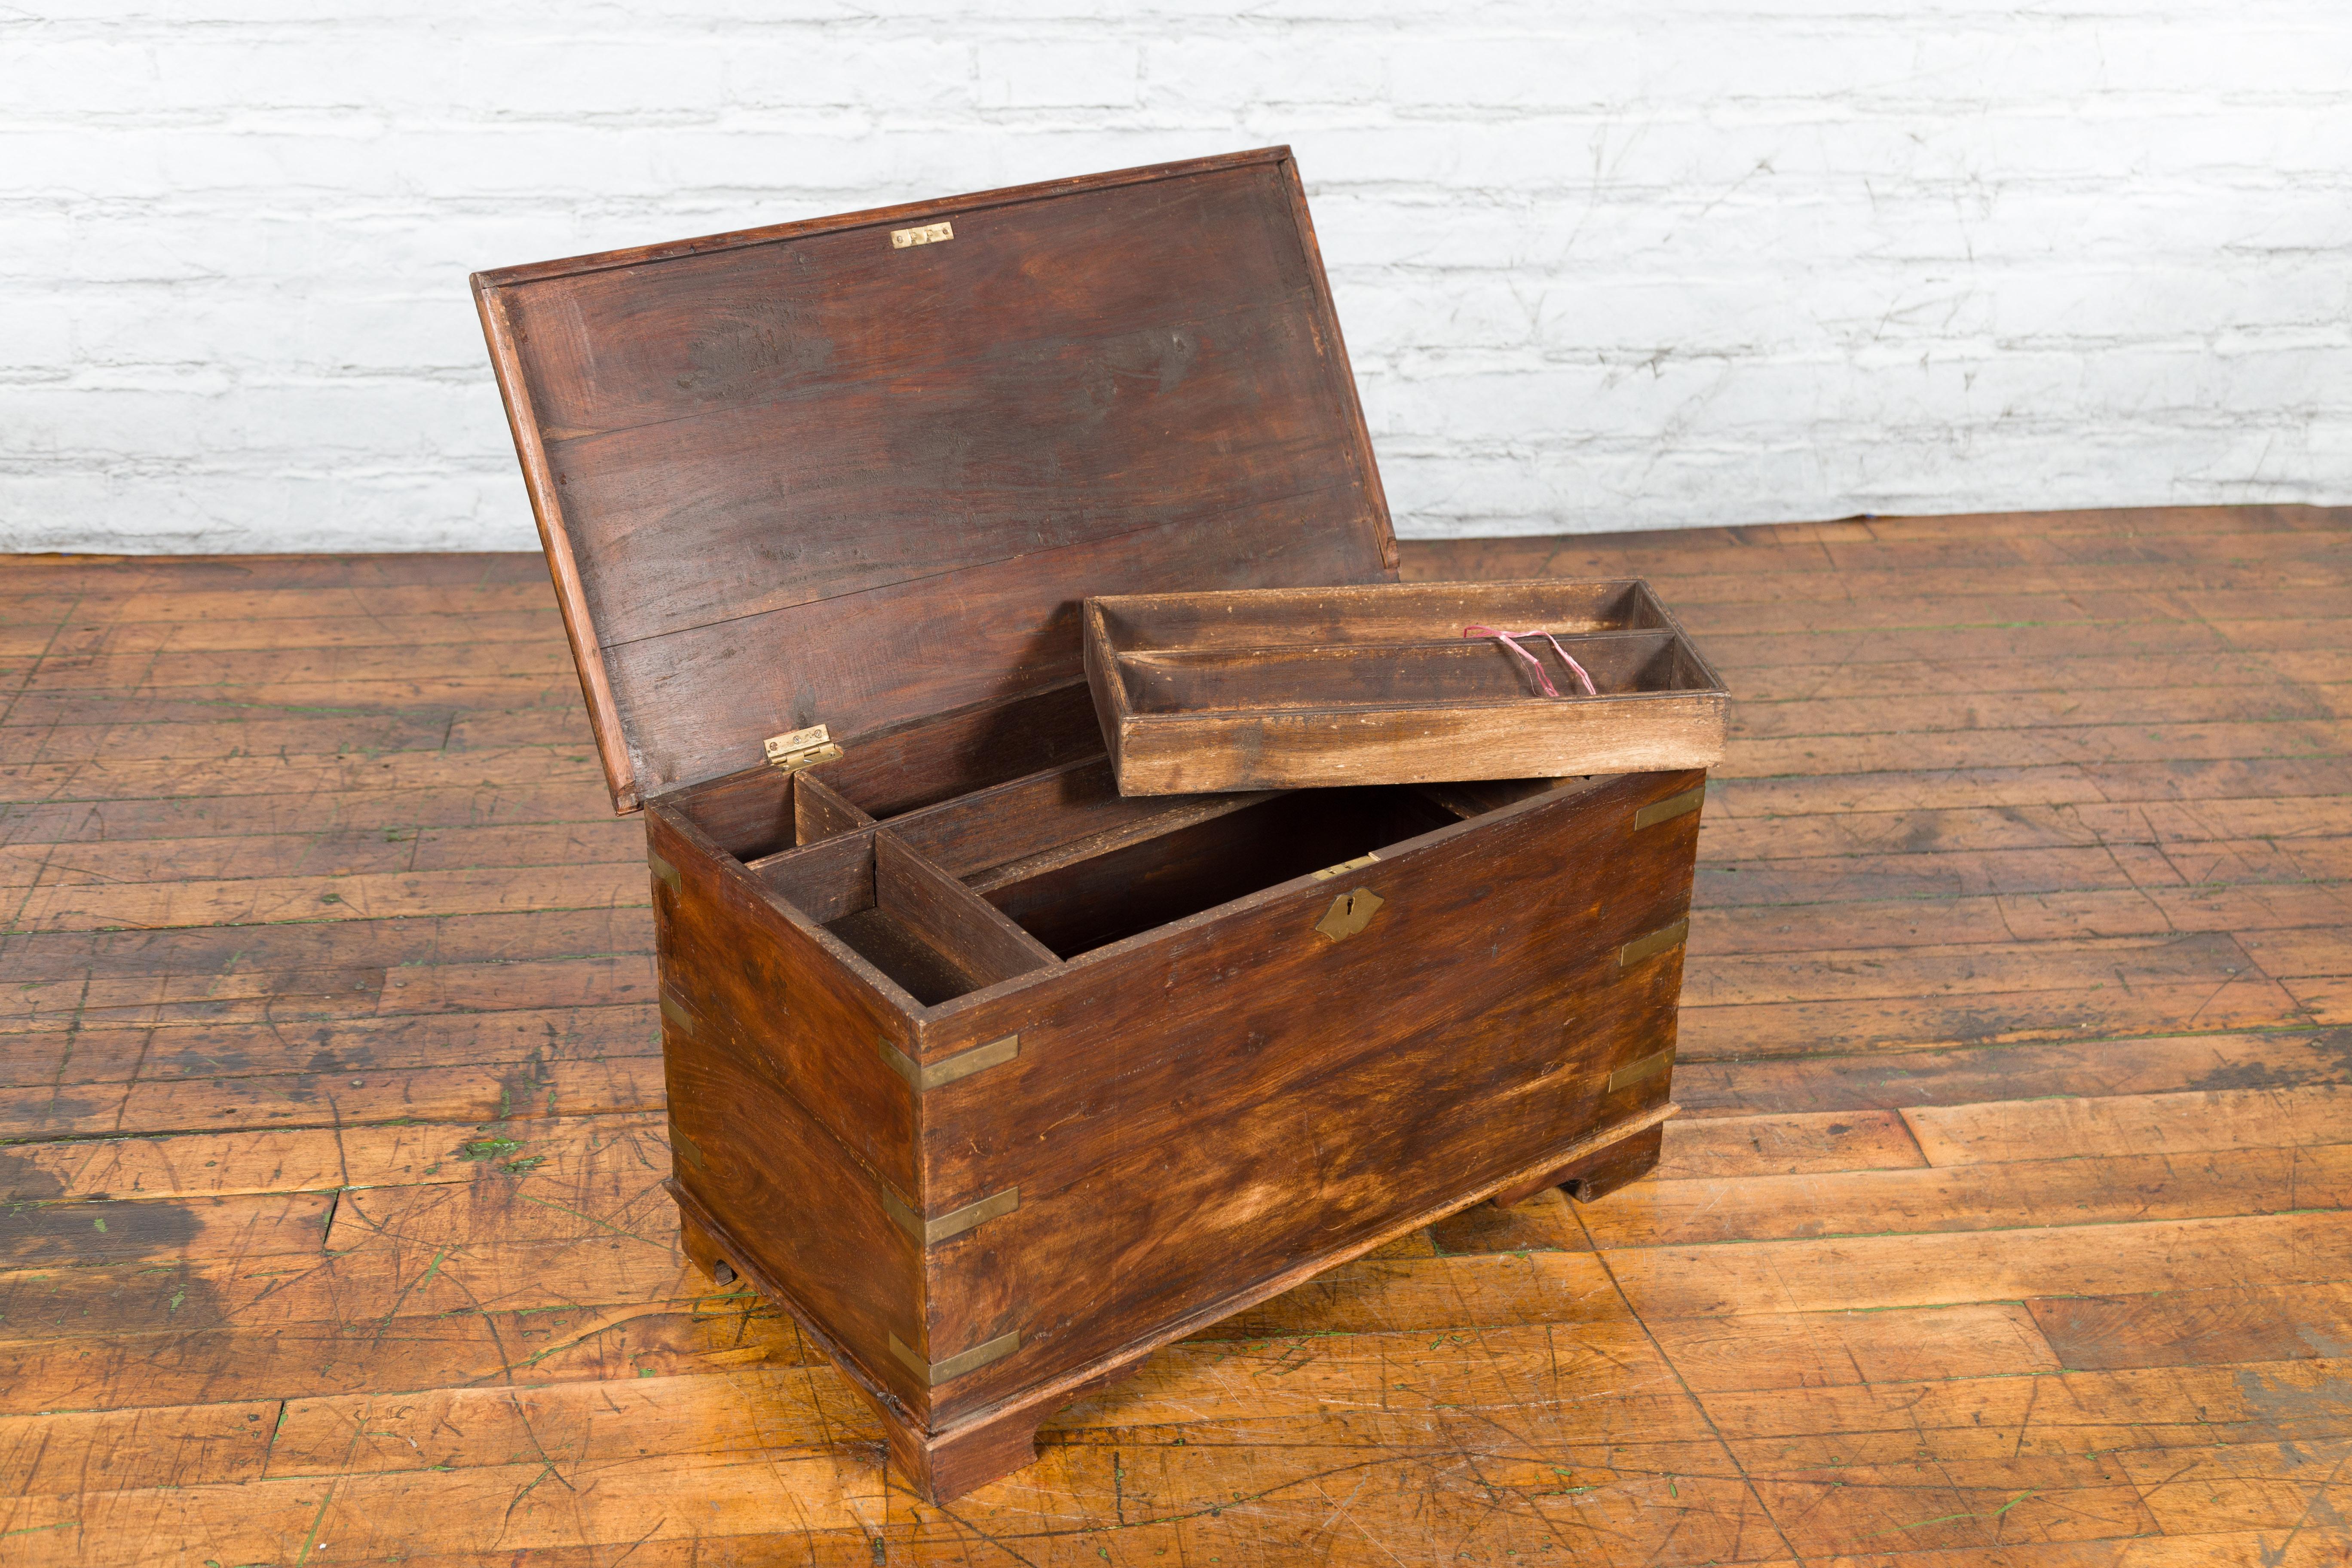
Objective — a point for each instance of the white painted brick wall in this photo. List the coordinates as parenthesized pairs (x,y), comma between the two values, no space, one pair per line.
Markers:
(1623,263)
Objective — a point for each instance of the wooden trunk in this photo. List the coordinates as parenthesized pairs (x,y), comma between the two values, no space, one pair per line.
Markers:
(995,1078)
(998,1094)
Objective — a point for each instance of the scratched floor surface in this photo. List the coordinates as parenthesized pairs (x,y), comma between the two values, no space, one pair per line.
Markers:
(2006,1224)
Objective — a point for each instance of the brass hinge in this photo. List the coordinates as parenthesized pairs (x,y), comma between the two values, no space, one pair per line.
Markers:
(801,749)
(929,234)
(935,1372)
(1344,866)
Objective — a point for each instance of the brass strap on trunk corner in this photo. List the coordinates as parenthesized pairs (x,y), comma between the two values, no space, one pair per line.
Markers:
(1666,810)
(1657,942)
(923,1076)
(1642,1071)
(954,1223)
(935,1372)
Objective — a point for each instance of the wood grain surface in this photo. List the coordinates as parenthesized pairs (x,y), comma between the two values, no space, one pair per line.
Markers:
(2005,1224)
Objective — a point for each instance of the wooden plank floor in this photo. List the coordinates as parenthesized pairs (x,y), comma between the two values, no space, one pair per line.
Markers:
(2007,1222)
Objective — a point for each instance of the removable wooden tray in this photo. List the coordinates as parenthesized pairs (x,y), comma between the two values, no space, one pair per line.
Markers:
(1295,688)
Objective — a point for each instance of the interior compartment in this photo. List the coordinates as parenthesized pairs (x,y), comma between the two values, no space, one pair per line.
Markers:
(762,811)
(931,935)
(1018,878)
(1387,675)
(1011,876)
(1265,689)
(1083,904)
(1063,813)
(1387,613)
(907,766)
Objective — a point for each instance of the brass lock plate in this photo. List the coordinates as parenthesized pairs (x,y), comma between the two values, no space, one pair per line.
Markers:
(1349,913)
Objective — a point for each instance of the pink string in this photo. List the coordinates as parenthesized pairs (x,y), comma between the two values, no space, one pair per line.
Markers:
(1509,640)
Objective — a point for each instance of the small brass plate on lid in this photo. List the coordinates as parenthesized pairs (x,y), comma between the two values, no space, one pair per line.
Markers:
(930,233)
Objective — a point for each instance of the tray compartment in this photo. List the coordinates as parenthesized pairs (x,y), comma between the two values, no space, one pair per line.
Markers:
(1303,688)
(1380,612)
(1381,675)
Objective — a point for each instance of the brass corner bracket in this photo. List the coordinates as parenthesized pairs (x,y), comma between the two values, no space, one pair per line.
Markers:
(923,1076)
(935,1372)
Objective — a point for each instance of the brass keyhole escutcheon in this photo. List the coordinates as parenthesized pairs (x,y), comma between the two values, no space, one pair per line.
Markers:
(1349,913)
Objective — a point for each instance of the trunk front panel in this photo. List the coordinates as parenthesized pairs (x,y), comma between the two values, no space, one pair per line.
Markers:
(1202,1108)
